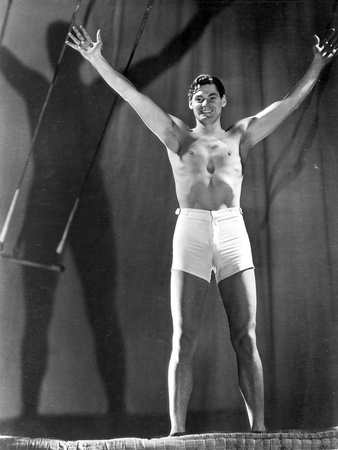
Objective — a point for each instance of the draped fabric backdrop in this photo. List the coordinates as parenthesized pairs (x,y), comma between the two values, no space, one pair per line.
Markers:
(97,338)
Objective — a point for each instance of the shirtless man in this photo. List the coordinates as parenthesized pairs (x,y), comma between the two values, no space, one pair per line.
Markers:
(210,234)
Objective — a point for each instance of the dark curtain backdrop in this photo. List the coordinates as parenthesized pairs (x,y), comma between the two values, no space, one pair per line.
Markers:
(97,338)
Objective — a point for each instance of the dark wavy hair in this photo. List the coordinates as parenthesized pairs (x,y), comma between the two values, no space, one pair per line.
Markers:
(205,79)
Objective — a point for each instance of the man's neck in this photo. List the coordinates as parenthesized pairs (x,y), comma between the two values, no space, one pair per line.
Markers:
(211,129)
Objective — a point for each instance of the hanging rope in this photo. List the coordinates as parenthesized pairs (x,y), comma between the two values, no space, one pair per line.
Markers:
(17,191)
(4,26)
(41,115)
(61,245)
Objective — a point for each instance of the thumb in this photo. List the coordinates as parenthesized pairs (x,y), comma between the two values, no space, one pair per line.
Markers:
(98,36)
(317,40)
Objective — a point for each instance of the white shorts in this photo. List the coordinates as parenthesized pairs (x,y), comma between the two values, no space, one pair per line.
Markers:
(211,240)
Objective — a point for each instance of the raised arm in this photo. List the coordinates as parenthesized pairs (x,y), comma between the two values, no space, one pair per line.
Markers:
(261,125)
(160,123)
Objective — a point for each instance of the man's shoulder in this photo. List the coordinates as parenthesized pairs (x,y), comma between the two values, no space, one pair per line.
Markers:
(182,125)
(240,126)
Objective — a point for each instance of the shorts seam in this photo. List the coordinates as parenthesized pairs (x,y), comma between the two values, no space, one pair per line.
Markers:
(233,272)
(192,272)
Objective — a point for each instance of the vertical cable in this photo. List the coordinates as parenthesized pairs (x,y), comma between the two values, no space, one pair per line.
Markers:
(41,115)
(61,245)
(4,26)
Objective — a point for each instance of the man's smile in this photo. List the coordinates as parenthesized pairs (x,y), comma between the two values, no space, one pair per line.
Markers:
(206,110)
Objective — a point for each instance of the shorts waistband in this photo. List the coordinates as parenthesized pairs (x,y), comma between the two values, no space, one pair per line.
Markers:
(209,213)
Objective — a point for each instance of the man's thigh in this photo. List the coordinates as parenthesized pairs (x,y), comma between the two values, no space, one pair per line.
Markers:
(238,294)
(188,295)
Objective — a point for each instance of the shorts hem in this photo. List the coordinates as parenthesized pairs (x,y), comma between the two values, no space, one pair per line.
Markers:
(192,272)
(233,272)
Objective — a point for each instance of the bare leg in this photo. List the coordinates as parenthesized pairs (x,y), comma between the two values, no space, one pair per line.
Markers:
(188,294)
(238,293)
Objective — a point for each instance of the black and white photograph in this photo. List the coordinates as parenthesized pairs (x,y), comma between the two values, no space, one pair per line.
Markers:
(168,224)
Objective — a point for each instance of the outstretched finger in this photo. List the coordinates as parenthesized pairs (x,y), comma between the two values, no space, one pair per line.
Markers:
(86,35)
(330,35)
(78,34)
(334,40)
(76,41)
(330,40)
(334,52)
(317,40)
(75,47)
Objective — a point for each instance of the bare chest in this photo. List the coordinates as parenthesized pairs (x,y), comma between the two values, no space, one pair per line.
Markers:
(211,154)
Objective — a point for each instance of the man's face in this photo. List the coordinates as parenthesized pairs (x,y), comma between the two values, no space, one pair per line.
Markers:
(206,103)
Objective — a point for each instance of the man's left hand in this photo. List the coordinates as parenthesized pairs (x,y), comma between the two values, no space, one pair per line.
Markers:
(326,48)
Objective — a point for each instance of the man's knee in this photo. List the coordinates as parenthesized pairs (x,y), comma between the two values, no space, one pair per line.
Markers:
(185,343)
(244,339)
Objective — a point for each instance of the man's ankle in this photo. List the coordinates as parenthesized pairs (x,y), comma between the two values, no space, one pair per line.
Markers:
(177,433)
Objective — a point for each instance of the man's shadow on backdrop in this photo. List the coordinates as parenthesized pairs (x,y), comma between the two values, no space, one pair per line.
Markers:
(69,132)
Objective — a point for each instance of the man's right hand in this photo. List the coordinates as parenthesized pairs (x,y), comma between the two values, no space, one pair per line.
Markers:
(83,43)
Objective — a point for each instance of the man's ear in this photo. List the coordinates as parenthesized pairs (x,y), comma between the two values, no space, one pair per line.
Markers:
(190,104)
(224,101)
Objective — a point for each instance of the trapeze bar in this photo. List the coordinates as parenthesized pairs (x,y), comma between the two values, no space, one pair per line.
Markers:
(25,262)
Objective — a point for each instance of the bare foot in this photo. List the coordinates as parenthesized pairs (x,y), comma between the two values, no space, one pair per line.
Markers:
(177,434)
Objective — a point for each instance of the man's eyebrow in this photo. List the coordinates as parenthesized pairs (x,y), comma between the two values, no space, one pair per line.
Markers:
(201,94)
